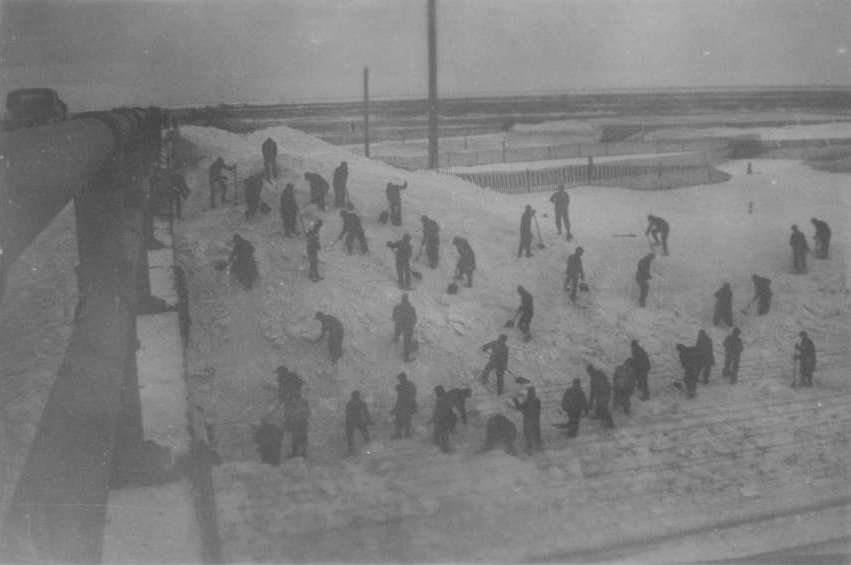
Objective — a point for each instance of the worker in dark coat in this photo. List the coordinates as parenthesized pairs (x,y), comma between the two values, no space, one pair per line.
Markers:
(443,419)
(762,294)
(526,232)
(642,277)
(353,230)
(253,188)
(406,406)
(297,418)
(394,200)
(289,210)
(500,429)
(243,267)
(313,251)
(531,410)
(601,395)
(805,354)
(733,348)
(333,328)
(458,397)
(269,435)
(561,201)
(690,361)
(623,385)
(318,189)
(800,248)
(270,155)
(821,238)
(466,260)
(526,310)
(658,229)
(357,419)
(341,176)
(431,240)
(641,366)
(706,354)
(723,305)
(498,361)
(404,320)
(168,190)
(574,272)
(403,251)
(289,384)
(218,181)
(575,405)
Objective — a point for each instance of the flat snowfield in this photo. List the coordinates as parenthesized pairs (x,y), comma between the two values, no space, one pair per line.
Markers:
(733,455)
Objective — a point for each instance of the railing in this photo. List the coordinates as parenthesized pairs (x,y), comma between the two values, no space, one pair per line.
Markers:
(508,154)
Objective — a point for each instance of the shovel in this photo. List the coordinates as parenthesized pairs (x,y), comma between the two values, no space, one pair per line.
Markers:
(538,229)
(748,307)
(510,323)
(518,380)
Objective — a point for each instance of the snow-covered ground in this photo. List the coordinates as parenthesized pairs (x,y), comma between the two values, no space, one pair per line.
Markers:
(646,158)
(674,465)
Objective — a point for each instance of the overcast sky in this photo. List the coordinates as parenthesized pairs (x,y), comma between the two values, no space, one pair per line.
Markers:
(171,52)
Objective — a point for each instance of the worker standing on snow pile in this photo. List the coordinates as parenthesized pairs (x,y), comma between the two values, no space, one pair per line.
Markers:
(623,385)
(805,354)
(403,251)
(500,429)
(333,328)
(821,238)
(732,355)
(318,189)
(526,310)
(270,155)
(641,366)
(253,188)
(289,384)
(574,272)
(431,240)
(458,397)
(723,305)
(658,229)
(561,201)
(498,361)
(404,319)
(218,180)
(443,419)
(705,355)
(690,362)
(466,260)
(241,262)
(800,248)
(269,436)
(341,176)
(601,395)
(394,200)
(353,230)
(406,406)
(313,251)
(531,410)
(762,294)
(574,404)
(289,210)
(297,412)
(357,419)
(642,277)
(526,231)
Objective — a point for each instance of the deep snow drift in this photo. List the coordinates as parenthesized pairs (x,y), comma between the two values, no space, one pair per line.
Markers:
(673,464)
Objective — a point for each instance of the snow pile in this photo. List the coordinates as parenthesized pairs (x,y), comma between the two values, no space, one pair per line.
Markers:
(497,506)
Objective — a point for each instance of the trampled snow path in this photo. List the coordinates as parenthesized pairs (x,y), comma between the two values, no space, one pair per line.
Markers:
(735,451)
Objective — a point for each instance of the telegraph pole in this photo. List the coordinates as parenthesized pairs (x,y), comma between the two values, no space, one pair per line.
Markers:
(432,85)
(366,111)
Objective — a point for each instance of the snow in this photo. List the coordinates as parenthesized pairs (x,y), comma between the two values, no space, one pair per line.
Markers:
(672,465)
(636,159)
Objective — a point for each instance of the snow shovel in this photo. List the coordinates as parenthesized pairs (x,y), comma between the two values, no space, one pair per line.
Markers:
(510,323)
(420,251)
(748,307)
(538,229)
(518,380)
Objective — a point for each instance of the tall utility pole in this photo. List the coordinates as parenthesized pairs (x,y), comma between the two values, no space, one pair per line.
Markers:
(366,111)
(432,85)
